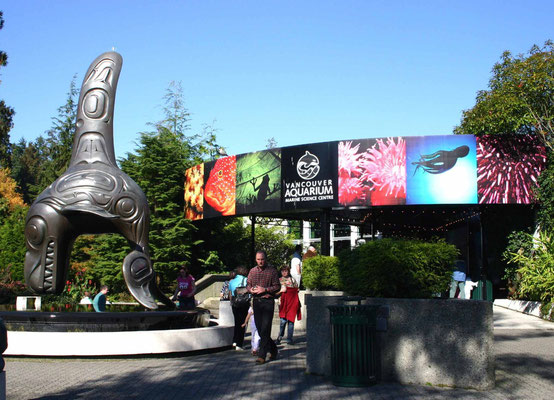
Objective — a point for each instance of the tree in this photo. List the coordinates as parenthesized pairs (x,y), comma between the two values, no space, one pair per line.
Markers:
(27,163)
(12,227)
(158,168)
(225,245)
(59,139)
(196,146)
(271,143)
(6,116)
(520,98)
(278,246)
(8,191)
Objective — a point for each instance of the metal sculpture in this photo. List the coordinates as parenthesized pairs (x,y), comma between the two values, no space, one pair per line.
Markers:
(92,196)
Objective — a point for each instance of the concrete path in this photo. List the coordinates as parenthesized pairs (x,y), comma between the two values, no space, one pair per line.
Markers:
(509,319)
(524,370)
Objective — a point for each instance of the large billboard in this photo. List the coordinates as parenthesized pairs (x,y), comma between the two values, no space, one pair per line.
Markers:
(415,170)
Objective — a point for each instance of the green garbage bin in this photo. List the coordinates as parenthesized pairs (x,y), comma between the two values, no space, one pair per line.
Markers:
(353,359)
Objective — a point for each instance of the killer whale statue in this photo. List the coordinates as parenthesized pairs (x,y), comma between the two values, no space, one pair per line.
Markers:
(92,196)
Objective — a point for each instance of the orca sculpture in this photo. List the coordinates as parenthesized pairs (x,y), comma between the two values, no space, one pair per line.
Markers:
(92,196)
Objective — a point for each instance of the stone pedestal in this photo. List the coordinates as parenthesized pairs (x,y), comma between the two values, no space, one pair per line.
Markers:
(226,317)
(438,342)
(24,303)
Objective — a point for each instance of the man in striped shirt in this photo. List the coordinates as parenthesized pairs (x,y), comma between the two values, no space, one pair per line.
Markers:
(263,283)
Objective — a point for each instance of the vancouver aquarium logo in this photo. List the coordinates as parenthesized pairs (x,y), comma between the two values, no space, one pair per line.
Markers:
(308,166)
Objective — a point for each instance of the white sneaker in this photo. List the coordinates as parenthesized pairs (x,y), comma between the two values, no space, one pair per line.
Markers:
(239,348)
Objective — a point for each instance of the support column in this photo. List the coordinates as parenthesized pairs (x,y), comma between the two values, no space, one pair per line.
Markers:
(325,233)
(252,241)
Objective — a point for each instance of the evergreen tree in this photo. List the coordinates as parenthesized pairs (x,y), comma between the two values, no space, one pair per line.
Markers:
(12,227)
(27,162)
(158,168)
(59,140)
(6,116)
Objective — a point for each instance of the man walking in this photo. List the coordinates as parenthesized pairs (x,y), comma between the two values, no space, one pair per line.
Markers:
(263,283)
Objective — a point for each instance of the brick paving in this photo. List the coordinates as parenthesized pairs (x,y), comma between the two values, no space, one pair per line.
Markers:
(524,370)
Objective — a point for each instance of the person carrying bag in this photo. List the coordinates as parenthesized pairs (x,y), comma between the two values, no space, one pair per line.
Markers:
(240,302)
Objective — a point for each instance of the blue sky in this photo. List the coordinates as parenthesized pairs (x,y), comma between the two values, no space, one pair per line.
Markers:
(298,71)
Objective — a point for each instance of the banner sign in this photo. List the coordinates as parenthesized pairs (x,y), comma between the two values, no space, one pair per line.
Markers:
(414,170)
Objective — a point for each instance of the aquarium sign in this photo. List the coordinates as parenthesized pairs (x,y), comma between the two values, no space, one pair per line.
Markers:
(309,175)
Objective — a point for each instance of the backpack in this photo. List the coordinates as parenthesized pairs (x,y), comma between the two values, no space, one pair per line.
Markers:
(242,296)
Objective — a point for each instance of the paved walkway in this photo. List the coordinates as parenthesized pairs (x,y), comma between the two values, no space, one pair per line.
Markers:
(524,370)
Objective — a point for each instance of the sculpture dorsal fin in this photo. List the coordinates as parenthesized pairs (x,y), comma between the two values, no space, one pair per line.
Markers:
(93,142)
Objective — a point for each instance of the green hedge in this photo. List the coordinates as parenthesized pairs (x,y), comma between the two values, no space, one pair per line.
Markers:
(385,268)
(321,273)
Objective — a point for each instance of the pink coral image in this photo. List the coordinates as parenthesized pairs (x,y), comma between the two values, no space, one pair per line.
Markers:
(372,172)
(508,168)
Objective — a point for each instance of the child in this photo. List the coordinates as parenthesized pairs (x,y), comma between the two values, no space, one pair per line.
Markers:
(289,304)
(253,330)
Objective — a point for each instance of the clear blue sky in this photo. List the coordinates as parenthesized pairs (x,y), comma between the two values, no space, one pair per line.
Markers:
(298,71)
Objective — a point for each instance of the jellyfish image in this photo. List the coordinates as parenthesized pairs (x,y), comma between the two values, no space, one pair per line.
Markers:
(440,161)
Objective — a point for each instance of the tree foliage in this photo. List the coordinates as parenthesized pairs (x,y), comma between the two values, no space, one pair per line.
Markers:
(321,273)
(12,227)
(385,268)
(278,245)
(59,138)
(27,162)
(12,242)
(6,116)
(158,167)
(38,163)
(8,191)
(536,270)
(520,98)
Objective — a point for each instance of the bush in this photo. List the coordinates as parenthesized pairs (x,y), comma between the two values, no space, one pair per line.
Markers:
(536,270)
(321,273)
(398,268)
(519,242)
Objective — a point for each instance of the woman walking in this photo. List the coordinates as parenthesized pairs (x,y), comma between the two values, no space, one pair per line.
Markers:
(239,306)
(289,304)
(185,289)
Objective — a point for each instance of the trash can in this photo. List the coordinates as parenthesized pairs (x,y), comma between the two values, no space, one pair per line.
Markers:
(353,358)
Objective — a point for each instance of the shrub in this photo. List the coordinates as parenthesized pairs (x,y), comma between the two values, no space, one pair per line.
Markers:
(519,242)
(536,270)
(321,273)
(398,268)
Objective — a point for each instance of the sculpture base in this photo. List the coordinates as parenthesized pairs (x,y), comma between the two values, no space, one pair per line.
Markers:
(105,321)
(113,334)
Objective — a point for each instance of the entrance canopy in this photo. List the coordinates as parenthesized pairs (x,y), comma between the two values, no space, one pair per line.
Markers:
(395,184)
